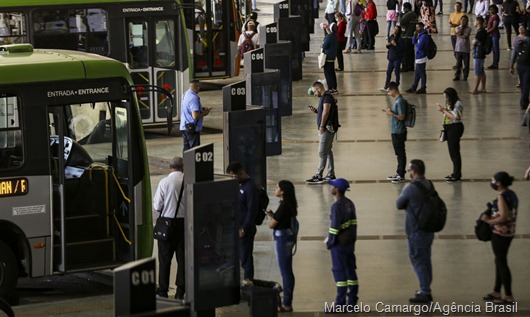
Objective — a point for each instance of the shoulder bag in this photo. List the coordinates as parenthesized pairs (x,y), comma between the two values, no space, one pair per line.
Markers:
(162,230)
(321,59)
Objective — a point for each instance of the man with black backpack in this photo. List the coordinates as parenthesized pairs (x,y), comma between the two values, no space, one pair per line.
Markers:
(248,208)
(521,56)
(421,40)
(328,124)
(397,113)
(413,200)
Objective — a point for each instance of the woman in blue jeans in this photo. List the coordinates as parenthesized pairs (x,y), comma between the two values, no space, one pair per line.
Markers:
(284,239)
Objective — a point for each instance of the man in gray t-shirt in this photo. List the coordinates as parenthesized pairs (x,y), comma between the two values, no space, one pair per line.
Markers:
(462,47)
(399,131)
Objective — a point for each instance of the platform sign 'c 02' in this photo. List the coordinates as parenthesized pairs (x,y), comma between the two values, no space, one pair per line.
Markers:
(14,187)
(198,164)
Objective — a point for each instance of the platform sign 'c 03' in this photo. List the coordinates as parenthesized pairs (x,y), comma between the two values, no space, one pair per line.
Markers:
(14,187)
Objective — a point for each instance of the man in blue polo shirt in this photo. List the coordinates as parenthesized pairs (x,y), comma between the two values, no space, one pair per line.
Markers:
(191,116)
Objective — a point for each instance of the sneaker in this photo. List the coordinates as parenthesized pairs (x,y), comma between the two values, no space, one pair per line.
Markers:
(315,180)
(392,177)
(330,177)
(440,13)
(398,180)
(420,298)
(456,79)
(421,92)
(452,179)
(411,90)
(448,177)
(383,88)
(493,67)
(160,293)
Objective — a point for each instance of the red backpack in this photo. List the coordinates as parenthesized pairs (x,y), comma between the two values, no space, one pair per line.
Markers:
(247,44)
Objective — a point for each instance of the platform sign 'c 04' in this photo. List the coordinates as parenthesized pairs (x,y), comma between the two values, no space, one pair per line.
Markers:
(14,187)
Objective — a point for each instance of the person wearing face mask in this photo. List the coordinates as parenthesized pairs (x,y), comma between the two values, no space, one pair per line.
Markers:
(502,221)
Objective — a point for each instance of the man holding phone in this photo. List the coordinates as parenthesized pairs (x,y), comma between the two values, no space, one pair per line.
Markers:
(399,131)
(325,153)
(191,116)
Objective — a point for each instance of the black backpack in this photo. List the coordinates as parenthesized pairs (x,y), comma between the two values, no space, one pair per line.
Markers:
(483,229)
(247,44)
(431,48)
(523,52)
(332,125)
(436,216)
(410,115)
(263,203)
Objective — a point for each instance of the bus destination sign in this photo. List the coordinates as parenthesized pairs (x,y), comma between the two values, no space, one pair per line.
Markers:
(13,187)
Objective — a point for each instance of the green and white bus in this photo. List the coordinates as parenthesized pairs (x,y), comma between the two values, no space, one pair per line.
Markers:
(163,43)
(74,178)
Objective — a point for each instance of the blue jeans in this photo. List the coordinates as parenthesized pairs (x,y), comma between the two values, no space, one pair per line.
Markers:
(190,140)
(420,243)
(471,2)
(393,66)
(246,248)
(284,246)
(325,153)
(495,39)
(420,73)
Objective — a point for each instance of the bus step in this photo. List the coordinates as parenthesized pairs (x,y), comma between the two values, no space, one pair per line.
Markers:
(83,228)
(86,254)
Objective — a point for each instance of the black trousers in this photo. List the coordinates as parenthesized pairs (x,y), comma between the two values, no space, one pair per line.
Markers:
(407,62)
(454,132)
(371,27)
(166,250)
(524,77)
(340,58)
(398,142)
(503,276)
(331,76)
(462,58)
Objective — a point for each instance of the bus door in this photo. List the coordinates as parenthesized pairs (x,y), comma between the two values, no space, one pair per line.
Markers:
(91,199)
(152,61)
(212,35)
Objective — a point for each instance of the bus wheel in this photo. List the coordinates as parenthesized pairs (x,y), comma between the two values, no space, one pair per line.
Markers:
(8,271)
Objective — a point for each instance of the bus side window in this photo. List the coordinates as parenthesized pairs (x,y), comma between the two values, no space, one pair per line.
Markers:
(11,154)
(138,50)
(13,28)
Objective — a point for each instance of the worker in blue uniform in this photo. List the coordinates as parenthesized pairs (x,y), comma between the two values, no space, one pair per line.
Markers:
(341,242)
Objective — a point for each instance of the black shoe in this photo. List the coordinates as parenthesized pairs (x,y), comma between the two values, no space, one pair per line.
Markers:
(339,69)
(440,13)
(452,179)
(421,92)
(411,90)
(456,79)
(330,177)
(465,79)
(160,293)
(493,67)
(317,179)
(420,298)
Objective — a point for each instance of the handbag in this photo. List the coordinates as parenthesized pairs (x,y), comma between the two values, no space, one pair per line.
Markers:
(321,60)
(162,229)
(443,136)
(483,230)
